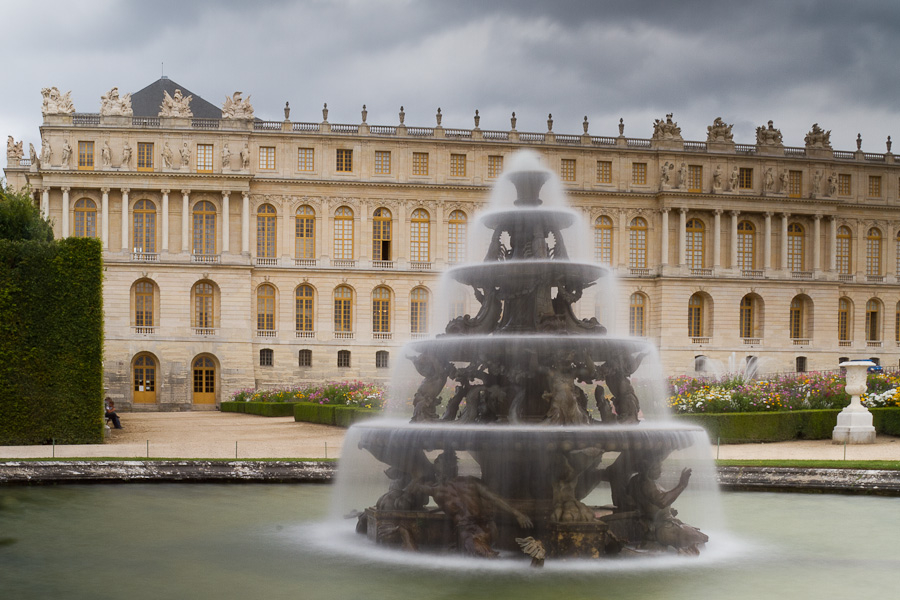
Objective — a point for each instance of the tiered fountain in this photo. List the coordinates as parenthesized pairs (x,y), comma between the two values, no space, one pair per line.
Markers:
(504,395)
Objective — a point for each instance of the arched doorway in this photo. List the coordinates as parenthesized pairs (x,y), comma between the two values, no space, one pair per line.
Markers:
(204,374)
(144,379)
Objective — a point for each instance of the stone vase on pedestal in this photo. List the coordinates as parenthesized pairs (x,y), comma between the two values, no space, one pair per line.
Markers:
(854,423)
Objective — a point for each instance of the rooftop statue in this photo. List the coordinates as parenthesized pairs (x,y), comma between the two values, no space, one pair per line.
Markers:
(14,151)
(175,106)
(818,138)
(56,103)
(768,136)
(666,130)
(113,105)
(719,131)
(237,108)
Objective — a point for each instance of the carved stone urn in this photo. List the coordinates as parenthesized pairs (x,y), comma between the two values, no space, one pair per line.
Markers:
(854,423)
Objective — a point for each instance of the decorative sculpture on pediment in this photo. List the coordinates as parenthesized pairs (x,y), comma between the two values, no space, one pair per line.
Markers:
(719,131)
(46,153)
(237,108)
(14,151)
(111,104)
(768,136)
(56,103)
(33,155)
(66,153)
(175,106)
(818,138)
(666,130)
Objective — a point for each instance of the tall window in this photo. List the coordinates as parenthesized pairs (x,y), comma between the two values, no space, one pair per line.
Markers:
(418,311)
(747,317)
(795,184)
(265,231)
(303,300)
(843,320)
(143,304)
(746,246)
(344,161)
(639,173)
(85,156)
(381,310)
(796,319)
(745,178)
(637,243)
(795,247)
(382,162)
(843,251)
(873,252)
(897,323)
(874,186)
(873,321)
(495,166)
(695,178)
(204,158)
(265,308)
(695,316)
(267,157)
(844,184)
(419,234)
(305,233)
(343,233)
(636,315)
(456,237)
(204,233)
(567,169)
(85,218)
(420,163)
(306,159)
(381,234)
(343,309)
(603,240)
(694,243)
(203,305)
(145,156)
(144,220)
(604,171)
(457,165)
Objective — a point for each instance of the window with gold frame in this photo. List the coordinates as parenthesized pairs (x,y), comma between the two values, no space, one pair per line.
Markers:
(344,161)
(204,158)
(843,184)
(266,231)
(797,314)
(305,233)
(419,236)
(267,158)
(306,159)
(382,162)
(844,320)
(144,226)
(495,166)
(695,178)
(143,304)
(639,173)
(343,309)
(745,178)
(637,243)
(873,321)
(796,249)
(567,169)
(695,316)
(603,234)
(843,251)
(85,156)
(636,315)
(381,310)
(265,308)
(873,252)
(604,171)
(418,310)
(85,218)
(795,184)
(381,234)
(746,243)
(747,319)
(457,232)
(204,228)
(457,165)
(420,163)
(145,156)
(874,186)
(304,308)
(343,233)
(695,243)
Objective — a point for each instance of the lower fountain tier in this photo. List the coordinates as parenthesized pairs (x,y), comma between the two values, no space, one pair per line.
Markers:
(527,349)
(521,275)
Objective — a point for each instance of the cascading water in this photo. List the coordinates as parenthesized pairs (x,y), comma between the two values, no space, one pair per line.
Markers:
(497,449)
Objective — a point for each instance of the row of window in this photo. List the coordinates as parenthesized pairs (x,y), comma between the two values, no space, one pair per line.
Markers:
(267,358)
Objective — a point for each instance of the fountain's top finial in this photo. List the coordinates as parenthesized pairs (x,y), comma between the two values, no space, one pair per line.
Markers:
(528,186)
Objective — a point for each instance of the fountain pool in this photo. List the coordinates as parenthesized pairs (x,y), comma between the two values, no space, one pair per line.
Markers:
(227,542)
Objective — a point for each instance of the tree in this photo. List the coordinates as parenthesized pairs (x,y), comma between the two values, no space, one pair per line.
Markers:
(20,219)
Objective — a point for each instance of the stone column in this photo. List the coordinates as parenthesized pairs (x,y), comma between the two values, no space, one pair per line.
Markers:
(365,231)
(164,230)
(682,236)
(784,240)
(226,222)
(287,240)
(402,221)
(734,239)
(125,247)
(717,238)
(619,253)
(890,251)
(65,213)
(186,221)
(45,203)
(832,254)
(767,243)
(664,238)
(326,232)
(245,224)
(817,243)
(104,218)
(859,257)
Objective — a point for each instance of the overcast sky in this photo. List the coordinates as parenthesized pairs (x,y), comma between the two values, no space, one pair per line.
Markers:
(795,62)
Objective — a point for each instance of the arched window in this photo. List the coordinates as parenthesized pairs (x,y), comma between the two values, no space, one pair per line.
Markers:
(695,316)
(603,240)
(795,247)
(204,374)
(343,233)
(873,252)
(144,219)
(265,231)
(305,232)
(843,250)
(694,243)
(381,310)
(204,233)
(143,304)
(305,358)
(637,243)
(305,319)
(419,236)
(748,317)
(382,359)
(381,234)
(343,358)
(343,309)
(796,325)
(873,320)
(844,320)
(746,242)
(636,315)
(144,372)
(203,306)
(85,218)
(418,311)
(456,237)
(265,308)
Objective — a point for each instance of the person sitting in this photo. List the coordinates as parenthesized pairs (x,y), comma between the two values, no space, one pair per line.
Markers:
(111,415)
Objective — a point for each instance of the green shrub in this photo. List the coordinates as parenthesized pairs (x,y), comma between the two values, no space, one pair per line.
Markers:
(886,420)
(262,409)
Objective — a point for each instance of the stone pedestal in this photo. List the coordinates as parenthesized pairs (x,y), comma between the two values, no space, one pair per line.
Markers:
(854,423)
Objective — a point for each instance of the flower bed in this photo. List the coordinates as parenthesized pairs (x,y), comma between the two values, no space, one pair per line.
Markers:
(345,393)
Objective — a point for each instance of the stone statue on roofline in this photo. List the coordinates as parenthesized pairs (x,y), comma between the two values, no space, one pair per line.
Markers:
(175,106)
(46,152)
(666,130)
(56,103)
(719,131)
(818,138)
(14,151)
(237,108)
(112,105)
(768,136)
(33,155)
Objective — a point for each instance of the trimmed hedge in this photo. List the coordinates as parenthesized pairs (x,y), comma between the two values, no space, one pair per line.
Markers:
(263,409)
(332,414)
(51,342)
(737,428)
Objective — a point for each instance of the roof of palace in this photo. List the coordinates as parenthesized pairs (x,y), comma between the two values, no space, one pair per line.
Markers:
(146,102)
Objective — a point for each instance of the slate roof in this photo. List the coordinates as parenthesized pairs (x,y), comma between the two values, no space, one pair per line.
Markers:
(146,102)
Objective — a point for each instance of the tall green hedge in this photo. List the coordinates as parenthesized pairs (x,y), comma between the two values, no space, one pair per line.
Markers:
(51,342)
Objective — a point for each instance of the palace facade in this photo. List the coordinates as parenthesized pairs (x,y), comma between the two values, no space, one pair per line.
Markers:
(242,253)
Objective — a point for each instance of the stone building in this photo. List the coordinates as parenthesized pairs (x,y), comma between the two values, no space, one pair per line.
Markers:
(243,253)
